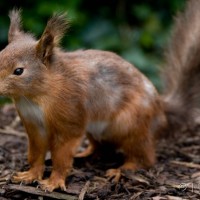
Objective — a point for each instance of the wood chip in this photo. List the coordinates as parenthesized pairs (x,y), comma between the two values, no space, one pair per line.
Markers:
(186,164)
(159,198)
(84,190)
(12,132)
(174,198)
(37,191)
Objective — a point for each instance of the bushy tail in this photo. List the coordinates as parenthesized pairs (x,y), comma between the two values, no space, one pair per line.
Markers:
(182,73)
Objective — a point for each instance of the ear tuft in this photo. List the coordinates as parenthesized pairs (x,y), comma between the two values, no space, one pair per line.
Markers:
(15,25)
(53,33)
(57,26)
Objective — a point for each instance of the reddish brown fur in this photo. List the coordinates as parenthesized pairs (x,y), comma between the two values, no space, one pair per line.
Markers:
(61,96)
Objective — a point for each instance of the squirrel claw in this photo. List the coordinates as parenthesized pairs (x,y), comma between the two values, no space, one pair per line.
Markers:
(21,183)
(46,191)
(113,175)
(35,181)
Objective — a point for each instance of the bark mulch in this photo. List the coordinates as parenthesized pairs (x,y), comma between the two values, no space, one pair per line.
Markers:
(176,176)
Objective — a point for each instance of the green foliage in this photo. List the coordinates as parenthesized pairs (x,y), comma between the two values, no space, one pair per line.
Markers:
(135,29)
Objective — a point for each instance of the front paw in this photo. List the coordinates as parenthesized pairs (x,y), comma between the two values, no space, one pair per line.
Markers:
(52,183)
(29,176)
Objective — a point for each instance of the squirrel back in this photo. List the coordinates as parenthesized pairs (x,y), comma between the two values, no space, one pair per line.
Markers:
(181,94)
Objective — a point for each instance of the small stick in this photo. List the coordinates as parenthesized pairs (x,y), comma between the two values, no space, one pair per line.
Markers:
(12,132)
(186,164)
(84,190)
(35,191)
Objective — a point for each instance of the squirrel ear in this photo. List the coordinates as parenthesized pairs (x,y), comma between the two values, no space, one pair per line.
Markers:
(45,47)
(15,25)
(51,36)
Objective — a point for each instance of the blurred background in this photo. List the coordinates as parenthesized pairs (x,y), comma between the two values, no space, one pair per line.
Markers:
(137,30)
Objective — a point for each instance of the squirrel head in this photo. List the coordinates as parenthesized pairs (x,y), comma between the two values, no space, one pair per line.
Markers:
(25,61)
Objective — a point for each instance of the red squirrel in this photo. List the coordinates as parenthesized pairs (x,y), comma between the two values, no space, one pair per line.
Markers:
(61,96)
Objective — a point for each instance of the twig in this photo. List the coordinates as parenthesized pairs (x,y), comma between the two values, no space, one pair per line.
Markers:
(84,190)
(186,164)
(12,132)
(174,198)
(36,191)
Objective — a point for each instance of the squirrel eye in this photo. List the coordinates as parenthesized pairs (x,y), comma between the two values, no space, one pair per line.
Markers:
(18,71)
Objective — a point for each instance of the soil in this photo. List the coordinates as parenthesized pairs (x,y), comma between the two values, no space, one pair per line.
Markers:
(176,175)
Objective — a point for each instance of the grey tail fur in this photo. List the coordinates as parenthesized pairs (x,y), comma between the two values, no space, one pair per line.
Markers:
(181,75)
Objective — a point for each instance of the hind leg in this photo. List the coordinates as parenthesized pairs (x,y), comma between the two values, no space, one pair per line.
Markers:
(133,161)
(93,145)
(139,157)
(136,144)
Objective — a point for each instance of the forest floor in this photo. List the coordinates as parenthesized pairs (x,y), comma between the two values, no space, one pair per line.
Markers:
(176,176)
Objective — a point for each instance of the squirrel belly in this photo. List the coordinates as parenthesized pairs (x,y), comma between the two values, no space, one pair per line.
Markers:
(96,129)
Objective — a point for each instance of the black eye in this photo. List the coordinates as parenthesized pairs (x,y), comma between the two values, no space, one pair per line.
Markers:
(18,71)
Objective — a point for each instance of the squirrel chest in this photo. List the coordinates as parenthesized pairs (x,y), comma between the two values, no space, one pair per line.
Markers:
(31,112)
